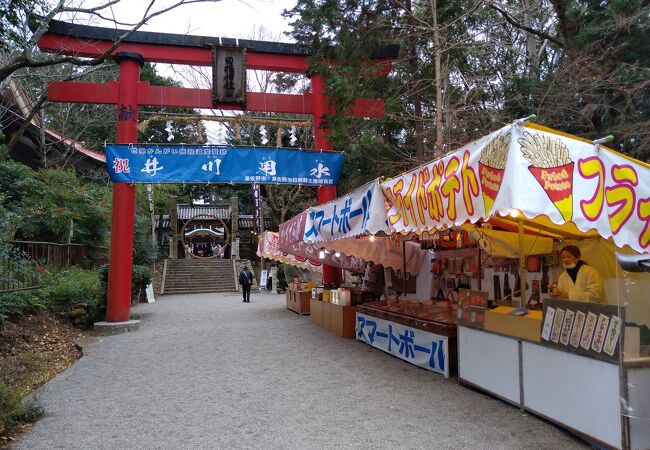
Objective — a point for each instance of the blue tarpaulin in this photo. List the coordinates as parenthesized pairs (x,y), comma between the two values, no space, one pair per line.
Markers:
(221,164)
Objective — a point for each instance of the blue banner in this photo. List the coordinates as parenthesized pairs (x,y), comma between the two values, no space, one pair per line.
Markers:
(220,164)
(427,350)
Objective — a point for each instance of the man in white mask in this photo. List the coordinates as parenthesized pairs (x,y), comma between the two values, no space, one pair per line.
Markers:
(579,281)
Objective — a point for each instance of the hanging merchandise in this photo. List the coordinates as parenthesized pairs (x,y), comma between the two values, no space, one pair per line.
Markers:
(507,292)
(497,287)
(534,302)
(544,285)
(517,292)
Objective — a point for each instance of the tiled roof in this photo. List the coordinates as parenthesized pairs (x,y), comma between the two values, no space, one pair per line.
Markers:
(186,212)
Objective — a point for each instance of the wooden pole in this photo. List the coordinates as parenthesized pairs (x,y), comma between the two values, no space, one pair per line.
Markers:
(522,264)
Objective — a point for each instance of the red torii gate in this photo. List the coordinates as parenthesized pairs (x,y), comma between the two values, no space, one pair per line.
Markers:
(128,93)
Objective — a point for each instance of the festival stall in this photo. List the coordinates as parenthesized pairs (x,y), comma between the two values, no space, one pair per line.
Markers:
(305,256)
(582,365)
(416,329)
(296,297)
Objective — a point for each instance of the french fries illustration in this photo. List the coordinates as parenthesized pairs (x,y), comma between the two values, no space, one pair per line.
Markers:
(492,164)
(552,168)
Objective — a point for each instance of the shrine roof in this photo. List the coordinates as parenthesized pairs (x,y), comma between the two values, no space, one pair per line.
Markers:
(185,212)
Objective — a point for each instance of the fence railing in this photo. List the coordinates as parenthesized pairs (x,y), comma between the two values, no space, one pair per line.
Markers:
(22,261)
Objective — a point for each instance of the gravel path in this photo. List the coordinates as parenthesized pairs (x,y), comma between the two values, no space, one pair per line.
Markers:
(208,371)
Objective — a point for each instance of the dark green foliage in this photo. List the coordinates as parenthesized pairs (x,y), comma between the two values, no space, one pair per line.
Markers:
(62,292)
(144,250)
(140,278)
(44,203)
(12,410)
(70,287)
(12,15)
(282,280)
(14,304)
(591,80)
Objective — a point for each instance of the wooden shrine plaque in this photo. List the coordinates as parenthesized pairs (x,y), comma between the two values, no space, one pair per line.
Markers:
(228,75)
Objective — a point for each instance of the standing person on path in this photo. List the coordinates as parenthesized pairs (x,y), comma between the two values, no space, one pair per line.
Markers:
(246,280)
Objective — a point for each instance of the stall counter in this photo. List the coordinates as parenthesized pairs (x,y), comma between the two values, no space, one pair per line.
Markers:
(339,319)
(577,392)
(298,300)
(422,333)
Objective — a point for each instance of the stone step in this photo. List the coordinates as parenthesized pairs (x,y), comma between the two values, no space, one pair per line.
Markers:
(201,286)
(189,284)
(200,269)
(198,275)
(229,273)
(203,282)
(188,276)
(197,291)
(197,262)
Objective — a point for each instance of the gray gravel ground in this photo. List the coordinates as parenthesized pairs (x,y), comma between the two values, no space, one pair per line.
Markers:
(208,371)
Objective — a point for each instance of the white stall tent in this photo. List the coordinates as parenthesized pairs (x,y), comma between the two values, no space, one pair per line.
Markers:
(529,178)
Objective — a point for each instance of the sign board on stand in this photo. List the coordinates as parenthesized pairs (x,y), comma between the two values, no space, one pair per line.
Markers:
(150,295)
(263,278)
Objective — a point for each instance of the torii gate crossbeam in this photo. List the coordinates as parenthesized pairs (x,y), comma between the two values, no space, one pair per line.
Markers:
(128,93)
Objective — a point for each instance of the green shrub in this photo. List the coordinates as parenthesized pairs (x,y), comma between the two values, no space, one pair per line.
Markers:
(13,304)
(282,279)
(145,252)
(12,410)
(69,287)
(140,278)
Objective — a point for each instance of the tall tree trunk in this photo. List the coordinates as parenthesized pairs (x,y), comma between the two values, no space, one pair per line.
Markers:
(531,45)
(439,108)
(415,82)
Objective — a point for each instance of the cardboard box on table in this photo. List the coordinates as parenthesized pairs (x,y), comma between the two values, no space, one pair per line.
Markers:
(527,327)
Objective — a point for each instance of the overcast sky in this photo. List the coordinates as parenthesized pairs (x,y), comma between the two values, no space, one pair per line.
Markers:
(226,18)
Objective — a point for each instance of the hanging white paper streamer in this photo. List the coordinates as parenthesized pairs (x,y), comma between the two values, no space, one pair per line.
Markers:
(263,135)
(293,139)
(169,130)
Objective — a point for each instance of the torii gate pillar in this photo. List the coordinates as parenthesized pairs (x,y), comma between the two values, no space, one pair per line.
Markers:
(119,272)
(331,275)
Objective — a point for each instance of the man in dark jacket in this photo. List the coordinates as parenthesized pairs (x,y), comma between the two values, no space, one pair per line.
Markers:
(246,280)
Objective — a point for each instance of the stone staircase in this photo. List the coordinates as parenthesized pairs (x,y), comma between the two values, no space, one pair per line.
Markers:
(196,275)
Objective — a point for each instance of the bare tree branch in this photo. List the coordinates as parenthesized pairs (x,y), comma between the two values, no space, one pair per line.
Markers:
(514,22)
